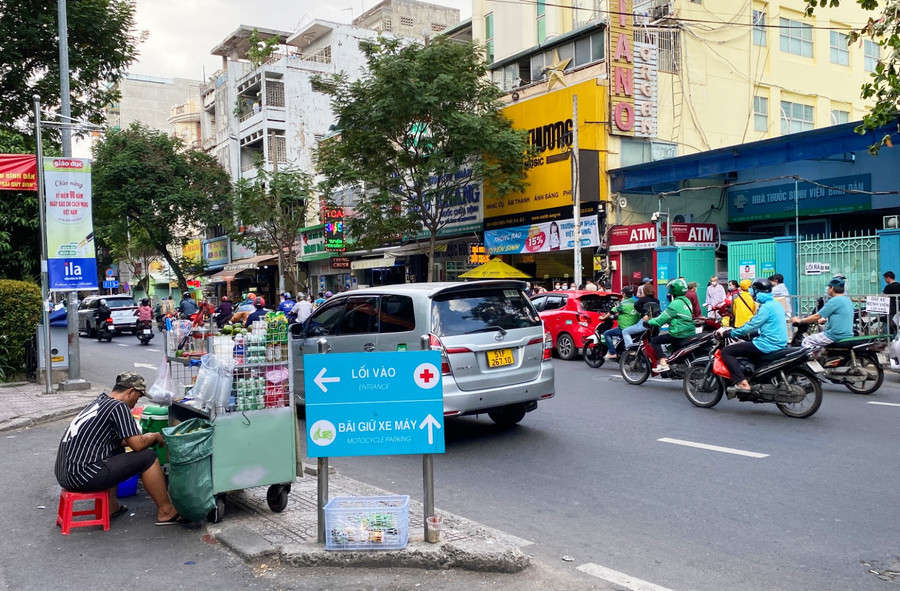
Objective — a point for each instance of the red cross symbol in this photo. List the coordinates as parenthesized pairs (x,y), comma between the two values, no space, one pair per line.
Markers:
(426,375)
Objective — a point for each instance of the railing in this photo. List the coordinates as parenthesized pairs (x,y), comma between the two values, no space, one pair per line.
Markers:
(871,317)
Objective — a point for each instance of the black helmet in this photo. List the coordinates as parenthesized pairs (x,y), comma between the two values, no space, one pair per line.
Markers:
(145,301)
(761,285)
(627,291)
(186,294)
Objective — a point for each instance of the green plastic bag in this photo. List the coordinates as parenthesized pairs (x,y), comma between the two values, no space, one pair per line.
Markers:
(190,447)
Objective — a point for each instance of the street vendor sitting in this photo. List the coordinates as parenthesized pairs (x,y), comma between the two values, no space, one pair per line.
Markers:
(91,455)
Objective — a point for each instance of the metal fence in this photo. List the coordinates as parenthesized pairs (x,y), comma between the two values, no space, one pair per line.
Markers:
(855,256)
(870,319)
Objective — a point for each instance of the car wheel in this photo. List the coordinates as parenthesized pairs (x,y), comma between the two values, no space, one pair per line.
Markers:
(565,346)
(508,415)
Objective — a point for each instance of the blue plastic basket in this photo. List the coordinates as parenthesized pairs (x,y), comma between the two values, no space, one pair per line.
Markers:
(127,488)
(367,523)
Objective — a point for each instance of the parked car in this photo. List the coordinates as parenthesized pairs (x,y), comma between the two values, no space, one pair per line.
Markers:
(571,316)
(495,356)
(121,306)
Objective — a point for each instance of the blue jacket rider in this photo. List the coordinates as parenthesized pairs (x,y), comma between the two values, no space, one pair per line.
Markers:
(773,336)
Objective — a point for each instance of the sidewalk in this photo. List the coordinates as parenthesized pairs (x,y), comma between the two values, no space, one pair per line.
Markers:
(253,531)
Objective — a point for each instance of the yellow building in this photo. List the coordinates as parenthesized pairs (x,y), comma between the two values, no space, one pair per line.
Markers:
(678,77)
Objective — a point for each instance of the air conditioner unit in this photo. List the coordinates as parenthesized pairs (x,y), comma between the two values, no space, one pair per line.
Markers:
(891,222)
(682,218)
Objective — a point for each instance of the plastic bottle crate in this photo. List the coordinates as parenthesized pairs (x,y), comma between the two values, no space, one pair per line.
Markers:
(367,523)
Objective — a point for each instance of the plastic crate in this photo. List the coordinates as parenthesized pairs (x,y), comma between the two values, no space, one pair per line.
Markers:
(367,523)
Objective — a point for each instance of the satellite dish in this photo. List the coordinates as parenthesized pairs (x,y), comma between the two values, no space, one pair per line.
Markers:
(623,203)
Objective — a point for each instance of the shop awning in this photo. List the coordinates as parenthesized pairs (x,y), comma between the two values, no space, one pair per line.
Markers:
(376,263)
(494,269)
(249,263)
(222,277)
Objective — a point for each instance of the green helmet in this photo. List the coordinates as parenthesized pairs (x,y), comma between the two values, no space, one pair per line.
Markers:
(677,287)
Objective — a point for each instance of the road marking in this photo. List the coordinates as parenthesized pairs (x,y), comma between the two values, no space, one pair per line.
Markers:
(147,365)
(727,450)
(884,403)
(122,344)
(620,579)
(153,350)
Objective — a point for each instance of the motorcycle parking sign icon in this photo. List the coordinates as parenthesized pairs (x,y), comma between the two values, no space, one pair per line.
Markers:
(322,433)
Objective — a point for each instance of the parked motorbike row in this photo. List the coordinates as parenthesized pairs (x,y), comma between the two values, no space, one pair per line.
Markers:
(790,378)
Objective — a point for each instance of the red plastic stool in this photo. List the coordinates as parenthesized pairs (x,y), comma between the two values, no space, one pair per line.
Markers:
(66,513)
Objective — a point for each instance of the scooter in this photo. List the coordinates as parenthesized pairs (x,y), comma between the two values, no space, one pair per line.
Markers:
(637,363)
(105,330)
(143,330)
(786,378)
(852,362)
(595,349)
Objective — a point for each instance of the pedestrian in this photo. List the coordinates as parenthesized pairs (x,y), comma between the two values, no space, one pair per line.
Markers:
(782,296)
(743,306)
(644,282)
(715,298)
(91,456)
(695,301)
(892,289)
(302,309)
(556,286)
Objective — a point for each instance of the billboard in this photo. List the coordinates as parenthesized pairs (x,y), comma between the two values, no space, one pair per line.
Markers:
(71,259)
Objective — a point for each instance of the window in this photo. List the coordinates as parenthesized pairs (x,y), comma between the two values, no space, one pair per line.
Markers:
(668,40)
(641,151)
(406,21)
(760,113)
(397,314)
(541,20)
(796,117)
(759,28)
(840,50)
(386,24)
(359,318)
(796,37)
(872,54)
(489,37)
(437,27)
(838,116)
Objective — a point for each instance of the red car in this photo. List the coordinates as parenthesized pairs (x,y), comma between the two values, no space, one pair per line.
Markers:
(571,316)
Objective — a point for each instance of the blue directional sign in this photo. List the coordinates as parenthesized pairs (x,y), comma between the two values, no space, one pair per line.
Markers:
(112,284)
(372,404)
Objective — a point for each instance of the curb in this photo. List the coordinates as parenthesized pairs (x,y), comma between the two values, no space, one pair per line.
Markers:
(27,422)
(466,554)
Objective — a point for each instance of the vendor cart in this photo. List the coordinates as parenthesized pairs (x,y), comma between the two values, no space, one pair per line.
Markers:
(254,434)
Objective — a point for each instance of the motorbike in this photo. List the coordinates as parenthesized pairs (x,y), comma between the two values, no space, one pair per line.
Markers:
(161,321)
(595,349)
(786,378)
(105,330)
(636,364)
(143,330)
(852,362)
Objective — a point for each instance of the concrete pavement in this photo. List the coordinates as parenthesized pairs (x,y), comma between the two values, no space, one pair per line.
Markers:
(252,531)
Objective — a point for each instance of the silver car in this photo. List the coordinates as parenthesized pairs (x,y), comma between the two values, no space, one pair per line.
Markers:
(496,357)
(121,307)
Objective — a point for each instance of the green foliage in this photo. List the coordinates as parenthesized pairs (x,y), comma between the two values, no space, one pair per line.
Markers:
(17,324)
(145,185)
(884,87)
(260,51)
(102,45)
(421,128)
(273,208)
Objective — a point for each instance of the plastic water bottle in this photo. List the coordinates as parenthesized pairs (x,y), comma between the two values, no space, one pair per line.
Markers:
(239,349)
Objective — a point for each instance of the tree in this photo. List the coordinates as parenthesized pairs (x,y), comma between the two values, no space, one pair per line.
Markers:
(421,128)
(884,87)
(273,207)
(145,182)
(102,45)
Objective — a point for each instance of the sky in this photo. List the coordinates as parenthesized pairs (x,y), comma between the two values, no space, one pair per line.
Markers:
(182,33)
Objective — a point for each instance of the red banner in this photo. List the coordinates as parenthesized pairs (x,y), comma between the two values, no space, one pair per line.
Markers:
(18,172)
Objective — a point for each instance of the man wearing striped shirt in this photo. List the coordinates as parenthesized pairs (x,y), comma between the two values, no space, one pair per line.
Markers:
(91,455)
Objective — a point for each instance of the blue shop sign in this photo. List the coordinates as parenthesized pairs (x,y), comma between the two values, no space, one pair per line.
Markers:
(775,202)
(368,404)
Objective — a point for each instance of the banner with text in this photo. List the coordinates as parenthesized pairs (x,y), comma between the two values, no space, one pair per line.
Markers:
(71,258)
(18,172)
(543,237)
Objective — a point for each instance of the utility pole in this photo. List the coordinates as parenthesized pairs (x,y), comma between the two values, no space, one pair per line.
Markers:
(74,382)
(576,193)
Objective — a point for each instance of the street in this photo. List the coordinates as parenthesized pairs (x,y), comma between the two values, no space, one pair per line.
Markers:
(609,479)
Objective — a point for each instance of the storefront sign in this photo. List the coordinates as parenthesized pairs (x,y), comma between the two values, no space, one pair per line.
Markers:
(747,269)
(544,237)
(633,74)
(635,237)
(71,263)
(334,229)
(548,120)
(192,251)
(778,201)
(478,254)
(694,234)
(340,263)
(312,242)
(18,172)
(215,252)
(462,212)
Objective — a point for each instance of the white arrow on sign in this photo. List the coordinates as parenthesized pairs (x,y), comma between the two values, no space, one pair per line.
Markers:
(321,380)
(147,365)
(431,422)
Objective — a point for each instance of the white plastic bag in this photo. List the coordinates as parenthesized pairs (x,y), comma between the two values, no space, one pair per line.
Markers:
(162,391)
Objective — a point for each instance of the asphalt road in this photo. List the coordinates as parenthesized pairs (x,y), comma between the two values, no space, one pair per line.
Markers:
(588,481)
(586,477)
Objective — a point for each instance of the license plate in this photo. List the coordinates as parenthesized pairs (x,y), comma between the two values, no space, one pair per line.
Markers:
(499,357)
(815,366)
(148,331)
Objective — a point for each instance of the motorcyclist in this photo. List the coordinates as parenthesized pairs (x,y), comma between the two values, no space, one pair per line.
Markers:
(626,315)
(838,311)
(768,321)
(259,312)
(302,309)
(188,307)
(144,312)
(224,311)
(287,304)
(647,307)
(103,313)
(679,315)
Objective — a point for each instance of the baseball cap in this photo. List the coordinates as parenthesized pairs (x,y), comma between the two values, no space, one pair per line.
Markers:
(130,379)
(647,280)
(836,282)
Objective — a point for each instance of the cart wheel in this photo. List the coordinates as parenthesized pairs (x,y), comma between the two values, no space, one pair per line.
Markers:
(216,515)
(277,497)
